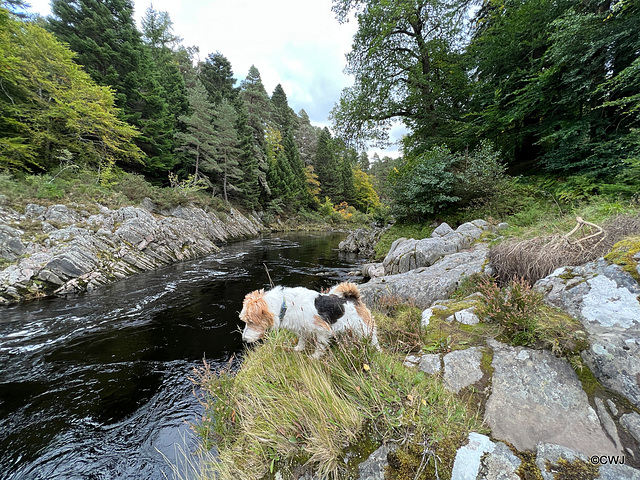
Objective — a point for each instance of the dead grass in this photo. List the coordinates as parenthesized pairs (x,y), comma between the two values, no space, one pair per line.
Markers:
(536,258)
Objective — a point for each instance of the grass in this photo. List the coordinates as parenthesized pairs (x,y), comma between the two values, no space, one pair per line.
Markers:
(399,230)
(282,408)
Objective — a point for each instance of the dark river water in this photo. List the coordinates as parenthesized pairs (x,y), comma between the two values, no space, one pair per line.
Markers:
(95,386)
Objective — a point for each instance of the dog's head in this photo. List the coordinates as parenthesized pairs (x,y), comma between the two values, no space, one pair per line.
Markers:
(257,316)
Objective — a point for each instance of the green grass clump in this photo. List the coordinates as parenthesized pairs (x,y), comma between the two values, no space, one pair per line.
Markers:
(282,407)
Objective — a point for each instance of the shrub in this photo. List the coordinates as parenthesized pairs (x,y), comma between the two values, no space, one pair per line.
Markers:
(515,308)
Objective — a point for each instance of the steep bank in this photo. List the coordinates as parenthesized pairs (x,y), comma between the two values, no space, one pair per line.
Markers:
(61,249)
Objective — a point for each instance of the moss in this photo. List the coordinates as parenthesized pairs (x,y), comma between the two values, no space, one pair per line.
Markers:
(423,462)
(567,275)
(622,254)
(590,383)
(443,336)
(528,470)
(576,470)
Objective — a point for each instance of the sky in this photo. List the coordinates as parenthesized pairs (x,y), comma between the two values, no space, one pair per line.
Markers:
(296,43)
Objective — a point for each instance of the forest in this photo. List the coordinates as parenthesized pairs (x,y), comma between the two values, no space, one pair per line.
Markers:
(493,93)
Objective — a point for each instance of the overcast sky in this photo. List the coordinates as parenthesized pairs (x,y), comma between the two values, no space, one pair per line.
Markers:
(296,43)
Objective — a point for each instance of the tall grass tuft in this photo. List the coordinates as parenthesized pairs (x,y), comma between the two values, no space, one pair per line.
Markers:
(282,407)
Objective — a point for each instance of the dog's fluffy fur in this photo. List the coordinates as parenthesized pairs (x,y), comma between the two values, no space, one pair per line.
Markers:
(308,314)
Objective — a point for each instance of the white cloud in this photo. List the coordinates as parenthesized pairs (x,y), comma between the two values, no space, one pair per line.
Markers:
(298,44)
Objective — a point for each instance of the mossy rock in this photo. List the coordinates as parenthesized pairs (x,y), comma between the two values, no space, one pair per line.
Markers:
(622,254)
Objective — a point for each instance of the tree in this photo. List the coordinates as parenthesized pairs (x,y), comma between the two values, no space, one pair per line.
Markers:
(109,46)
(250,183)
(406,67)
(198,142)
(216,75)
(227,148)
(256,101)
(49,107)
(306,137)
(363,161)
(281,114)
(326,167)
(366,198)
(556,83)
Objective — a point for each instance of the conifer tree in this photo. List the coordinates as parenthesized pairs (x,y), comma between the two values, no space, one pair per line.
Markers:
(250,182)
(363,161)
(216,74)
(326,167)
(257,103)
(281,114)
(228,150)
(348,192)
(306,137)
(198,142)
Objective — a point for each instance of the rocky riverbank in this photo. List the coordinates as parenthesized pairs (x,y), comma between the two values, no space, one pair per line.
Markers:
(59,249)
(535,404)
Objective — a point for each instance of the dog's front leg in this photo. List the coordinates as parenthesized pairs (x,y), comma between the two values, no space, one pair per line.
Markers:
(322,344)
(301,344)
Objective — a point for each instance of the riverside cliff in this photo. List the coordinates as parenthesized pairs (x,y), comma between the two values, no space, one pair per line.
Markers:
(61,249)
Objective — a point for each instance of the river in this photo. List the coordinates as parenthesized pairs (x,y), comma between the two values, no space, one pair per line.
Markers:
(95,386)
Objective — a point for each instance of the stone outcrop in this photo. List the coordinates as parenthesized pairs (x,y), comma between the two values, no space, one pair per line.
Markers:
(428,284)
(605,299)
(73,251)
(362,241)
(409,254)
(537,397)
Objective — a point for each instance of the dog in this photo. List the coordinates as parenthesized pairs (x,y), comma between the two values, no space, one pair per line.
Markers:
(308,314)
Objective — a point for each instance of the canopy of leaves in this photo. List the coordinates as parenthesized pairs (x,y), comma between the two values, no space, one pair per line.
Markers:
(50,106)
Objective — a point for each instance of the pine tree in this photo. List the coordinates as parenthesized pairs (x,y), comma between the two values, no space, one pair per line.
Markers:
(298,180)
(228,150)
(348,192)
(257,103)
(216,74)
(326,167)
(306,136)
(363,161)
(250,183)
(198,142)
(281,114)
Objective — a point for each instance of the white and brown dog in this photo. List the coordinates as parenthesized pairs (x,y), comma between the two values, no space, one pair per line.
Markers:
(308,314)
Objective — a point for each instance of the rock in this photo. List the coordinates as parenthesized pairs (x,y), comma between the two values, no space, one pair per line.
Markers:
(34,212)
(537,397)
(362,241)
(61,214)
(430,364)
(373,468)
(501,464)
(631,421)
(427,284)
(11,247)
(466,316)
(608,423)
(605,299)
(467,462)
(372,270)
(462,368)
(442,230)
(426,316)
(548,455)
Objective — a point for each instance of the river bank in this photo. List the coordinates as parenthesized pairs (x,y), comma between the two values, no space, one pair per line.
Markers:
(535,381)
(60,249)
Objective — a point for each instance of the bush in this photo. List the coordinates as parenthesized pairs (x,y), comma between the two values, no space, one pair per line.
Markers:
(438,179)
(514,308)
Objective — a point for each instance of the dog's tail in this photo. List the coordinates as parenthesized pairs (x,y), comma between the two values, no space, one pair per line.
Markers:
(346,290)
